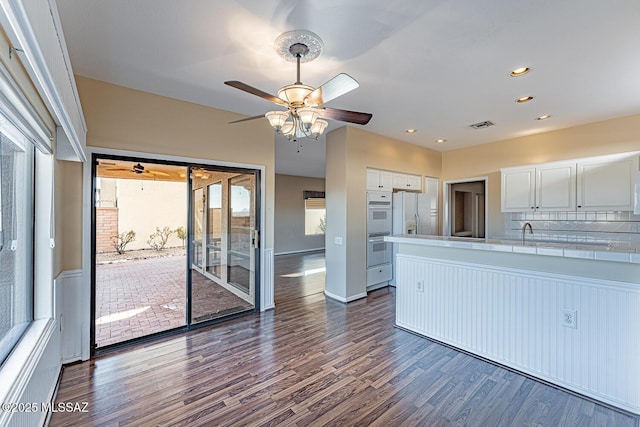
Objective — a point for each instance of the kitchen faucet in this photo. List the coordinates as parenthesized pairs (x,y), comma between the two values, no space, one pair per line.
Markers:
(524,228)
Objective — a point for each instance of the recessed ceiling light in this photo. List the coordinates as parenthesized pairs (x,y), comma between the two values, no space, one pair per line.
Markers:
(411,131)
(524,99)
(519,71)
(546,116)
(440,141)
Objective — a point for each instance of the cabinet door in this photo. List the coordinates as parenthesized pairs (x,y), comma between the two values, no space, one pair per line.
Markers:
(518,190)
(403,181)
(373,180)
(399,181)
(605,184)
(556,187)
(414,182)
(386,181)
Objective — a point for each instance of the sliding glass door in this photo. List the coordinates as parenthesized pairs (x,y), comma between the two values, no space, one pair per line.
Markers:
(224,243)
(174,246)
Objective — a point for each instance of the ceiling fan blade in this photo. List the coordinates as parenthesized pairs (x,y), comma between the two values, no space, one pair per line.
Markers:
(252,90)
(339,85)
(346,116)
(159,173)
(246,119)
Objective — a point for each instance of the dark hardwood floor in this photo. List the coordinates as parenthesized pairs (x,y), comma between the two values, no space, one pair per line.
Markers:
(314,362)
(298,275)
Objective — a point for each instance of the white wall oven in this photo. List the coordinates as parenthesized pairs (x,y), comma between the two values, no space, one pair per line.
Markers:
(379,252)
(379,212)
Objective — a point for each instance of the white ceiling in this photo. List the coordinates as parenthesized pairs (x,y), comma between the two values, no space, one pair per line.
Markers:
(437,66)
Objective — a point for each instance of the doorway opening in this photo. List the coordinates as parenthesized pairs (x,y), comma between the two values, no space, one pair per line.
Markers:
(175,246)
(465,210)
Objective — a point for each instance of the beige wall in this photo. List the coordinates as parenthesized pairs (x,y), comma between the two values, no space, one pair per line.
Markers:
(349,152)
(290,214)
(69,215)
(126,119)
(606,137)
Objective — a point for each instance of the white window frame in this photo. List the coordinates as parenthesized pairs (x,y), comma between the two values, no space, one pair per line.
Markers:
(19,367)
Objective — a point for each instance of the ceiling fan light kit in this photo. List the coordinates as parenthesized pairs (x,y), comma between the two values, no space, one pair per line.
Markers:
(305,110)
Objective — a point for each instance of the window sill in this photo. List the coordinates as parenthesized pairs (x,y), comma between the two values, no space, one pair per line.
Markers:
(17,370)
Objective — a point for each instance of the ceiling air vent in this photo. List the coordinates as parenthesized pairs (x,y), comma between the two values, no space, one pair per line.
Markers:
(482,125)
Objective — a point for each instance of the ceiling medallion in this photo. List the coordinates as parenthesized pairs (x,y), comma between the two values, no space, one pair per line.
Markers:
(286,41)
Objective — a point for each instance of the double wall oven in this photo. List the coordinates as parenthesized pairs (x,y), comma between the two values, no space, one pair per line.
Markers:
(379,224)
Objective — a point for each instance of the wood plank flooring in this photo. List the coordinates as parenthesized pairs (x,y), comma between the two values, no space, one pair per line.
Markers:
(298,275)
(313,362)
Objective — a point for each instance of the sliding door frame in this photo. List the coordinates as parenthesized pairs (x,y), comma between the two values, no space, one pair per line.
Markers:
(89,243)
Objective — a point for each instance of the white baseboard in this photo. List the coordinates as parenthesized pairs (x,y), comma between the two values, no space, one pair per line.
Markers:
(301,251)
(377,286)
(345,300)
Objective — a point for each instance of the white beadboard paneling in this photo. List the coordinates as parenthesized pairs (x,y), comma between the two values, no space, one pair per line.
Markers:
(514,318)
(267,296)
(68,314)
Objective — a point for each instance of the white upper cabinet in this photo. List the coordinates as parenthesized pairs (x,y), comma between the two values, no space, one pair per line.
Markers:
(547,187)
(593,184)
(606,183)
(378,180)
(518,189)
(403,181)
(556,187)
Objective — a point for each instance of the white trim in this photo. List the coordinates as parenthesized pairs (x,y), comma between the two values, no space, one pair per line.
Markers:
(345,300)
(21,33)
(301,251)
(446,185)
(19,111)
(378,286)
(86,228)
(21,365)
(268,287)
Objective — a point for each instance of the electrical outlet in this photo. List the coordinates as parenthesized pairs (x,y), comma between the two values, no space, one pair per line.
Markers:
(337,240)
(420,286)
(569,318)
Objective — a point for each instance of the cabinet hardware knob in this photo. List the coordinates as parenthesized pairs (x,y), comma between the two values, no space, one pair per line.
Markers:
(579,206)
(537,207)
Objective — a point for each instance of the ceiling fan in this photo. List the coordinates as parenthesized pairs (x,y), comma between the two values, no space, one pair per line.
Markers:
(137,168)
(304,105)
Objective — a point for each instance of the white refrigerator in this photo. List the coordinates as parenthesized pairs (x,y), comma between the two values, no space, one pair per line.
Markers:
(413,213)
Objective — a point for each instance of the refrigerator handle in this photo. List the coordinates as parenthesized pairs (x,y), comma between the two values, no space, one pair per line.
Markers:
(417,222)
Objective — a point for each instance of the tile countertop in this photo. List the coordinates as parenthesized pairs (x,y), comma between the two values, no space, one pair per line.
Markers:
(617,252)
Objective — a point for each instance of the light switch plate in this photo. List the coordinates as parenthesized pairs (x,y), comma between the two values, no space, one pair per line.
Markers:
(337,240)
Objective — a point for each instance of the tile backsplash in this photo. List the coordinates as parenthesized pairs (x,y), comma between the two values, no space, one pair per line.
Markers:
(620,228)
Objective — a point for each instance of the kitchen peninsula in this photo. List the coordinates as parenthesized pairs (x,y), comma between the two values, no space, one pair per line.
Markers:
(568,314)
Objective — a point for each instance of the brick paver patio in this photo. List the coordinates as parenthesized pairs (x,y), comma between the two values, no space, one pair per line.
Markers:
(141,297)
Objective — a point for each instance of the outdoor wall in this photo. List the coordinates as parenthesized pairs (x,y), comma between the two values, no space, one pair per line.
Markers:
(144,205)
(125,119)
(350,151)
(290,214)
(606,137)
(106,229)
